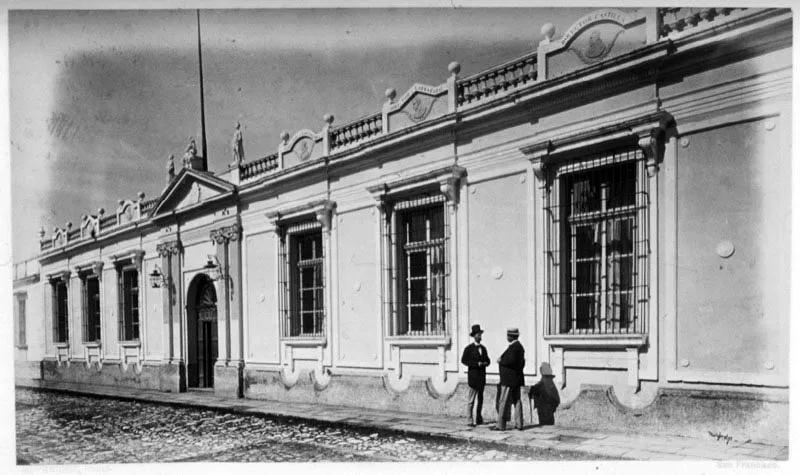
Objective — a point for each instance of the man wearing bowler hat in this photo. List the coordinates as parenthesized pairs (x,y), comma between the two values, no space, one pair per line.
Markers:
(511,362)
(476,359)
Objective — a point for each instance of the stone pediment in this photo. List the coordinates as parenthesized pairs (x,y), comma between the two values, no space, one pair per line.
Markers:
(188,190)
(418,104)
(597,36)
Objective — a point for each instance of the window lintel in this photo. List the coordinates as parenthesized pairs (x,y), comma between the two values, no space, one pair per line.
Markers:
(643,130)
(320,210)
(62,275)
(446,178)
(94,268)
(128,258)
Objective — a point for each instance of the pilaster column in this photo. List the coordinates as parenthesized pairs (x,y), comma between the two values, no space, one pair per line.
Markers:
(226,240)
(170,267)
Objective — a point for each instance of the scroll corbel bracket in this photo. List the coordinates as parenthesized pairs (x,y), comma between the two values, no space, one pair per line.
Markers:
(449,185)
(449,188)
(538,154)
(97,269)
(539,170)
(324,214)
(648,142)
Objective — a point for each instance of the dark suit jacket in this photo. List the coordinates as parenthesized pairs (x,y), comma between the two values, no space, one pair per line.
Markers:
(476,376)
(512,361)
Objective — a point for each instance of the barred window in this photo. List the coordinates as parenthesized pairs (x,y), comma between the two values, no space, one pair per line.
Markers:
(303,280)
(60,312)
(418,267)
(128,304)
(597,246)
(21,321)
(91,308)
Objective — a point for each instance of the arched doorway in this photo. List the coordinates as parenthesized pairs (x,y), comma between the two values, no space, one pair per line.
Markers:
(202,333)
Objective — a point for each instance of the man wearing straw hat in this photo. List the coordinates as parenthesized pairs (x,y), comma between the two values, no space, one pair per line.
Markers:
(476,358)
(511,362)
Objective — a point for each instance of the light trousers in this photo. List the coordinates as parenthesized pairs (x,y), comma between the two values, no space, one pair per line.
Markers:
(509,397)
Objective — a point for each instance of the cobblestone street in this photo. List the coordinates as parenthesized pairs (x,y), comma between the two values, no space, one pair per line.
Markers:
(54,428)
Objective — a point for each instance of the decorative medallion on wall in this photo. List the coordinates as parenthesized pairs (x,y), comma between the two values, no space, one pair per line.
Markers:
(596,43)
(303,148)
(419,107)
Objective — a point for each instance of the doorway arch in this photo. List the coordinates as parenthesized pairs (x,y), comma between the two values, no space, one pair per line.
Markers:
(201,332)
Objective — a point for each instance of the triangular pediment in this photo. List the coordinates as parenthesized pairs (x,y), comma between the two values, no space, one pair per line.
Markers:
(189,189)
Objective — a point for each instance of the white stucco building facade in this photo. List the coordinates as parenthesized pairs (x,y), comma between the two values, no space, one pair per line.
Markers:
(621,195)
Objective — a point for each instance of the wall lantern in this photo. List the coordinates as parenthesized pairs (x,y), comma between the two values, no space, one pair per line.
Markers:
(212,268)
(157,279)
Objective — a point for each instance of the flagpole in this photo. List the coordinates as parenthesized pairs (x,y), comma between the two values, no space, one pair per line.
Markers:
(202,98)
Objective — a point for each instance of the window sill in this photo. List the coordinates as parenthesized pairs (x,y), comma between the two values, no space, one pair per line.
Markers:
(597,341)
(419,341)
(305,341)
(22,347)
(92,344)
(62,344)
(130,344)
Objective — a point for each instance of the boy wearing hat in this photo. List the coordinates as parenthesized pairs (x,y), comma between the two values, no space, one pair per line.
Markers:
(511,362)
(476,359)
(545,396)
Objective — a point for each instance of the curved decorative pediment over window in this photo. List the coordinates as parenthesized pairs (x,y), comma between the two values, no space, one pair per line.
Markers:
(418,104)
(90,226)
(127,211)
(595,37)
(305,145)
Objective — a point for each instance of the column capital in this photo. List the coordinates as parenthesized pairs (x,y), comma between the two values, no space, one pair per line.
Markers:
(165,249)
(225,234)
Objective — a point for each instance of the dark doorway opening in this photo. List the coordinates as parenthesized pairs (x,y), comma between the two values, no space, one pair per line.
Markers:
(202,332)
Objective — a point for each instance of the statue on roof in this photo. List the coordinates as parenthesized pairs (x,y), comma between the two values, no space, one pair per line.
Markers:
(190,154)
(170,169)
(238,145)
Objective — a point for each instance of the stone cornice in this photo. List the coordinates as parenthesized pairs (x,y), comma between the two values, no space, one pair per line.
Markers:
(135,256)
(27,280)
(89,268)
(59,275)
(446,178)
(645,129)
(322,211)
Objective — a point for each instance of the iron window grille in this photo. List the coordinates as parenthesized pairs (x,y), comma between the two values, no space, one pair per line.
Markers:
(21,322)
(597,246)
(91,308)
(417,234)
(61,312)
(128,303)
(302,280)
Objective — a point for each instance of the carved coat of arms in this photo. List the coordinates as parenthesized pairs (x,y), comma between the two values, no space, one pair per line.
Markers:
(419,107)
(598,43)
(303,149)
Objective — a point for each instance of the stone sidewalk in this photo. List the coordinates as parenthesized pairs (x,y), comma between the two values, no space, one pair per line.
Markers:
(622,445)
